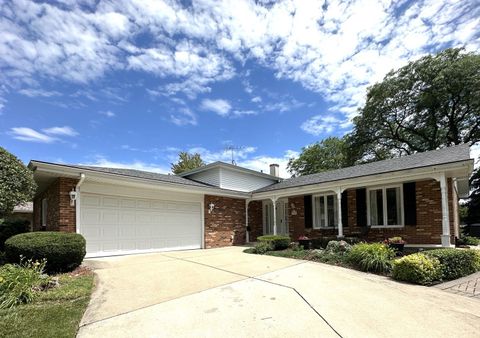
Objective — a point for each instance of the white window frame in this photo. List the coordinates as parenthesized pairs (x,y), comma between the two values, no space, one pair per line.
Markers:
(384,206)
(335,210)
(44,212)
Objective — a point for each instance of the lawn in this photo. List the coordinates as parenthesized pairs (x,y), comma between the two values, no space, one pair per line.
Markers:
(55,313)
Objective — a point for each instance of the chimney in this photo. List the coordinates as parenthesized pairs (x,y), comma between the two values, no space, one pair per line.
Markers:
(275,170)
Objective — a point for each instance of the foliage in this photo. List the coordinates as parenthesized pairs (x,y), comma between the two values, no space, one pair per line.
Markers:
(295,246)
(289,253)
(11,228)
(417,268)
(396,240)
(16,183)
(374,257)
(262,248)
(456,263)
(430,103)
(186,162)
(63,251)
(3,258)
(471,240)
(55,312)
(473,204)
(278,242)
(338,247)
(329,257)
(328,154)
(19,283)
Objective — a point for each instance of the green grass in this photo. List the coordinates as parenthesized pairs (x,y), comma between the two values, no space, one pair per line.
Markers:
(55,313)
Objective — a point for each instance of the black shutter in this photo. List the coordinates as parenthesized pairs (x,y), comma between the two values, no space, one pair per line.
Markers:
(307,203)
(361,207)
(410,203)
(344,209)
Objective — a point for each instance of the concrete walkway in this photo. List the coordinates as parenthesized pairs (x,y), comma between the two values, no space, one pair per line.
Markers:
(468,286)
(224,292)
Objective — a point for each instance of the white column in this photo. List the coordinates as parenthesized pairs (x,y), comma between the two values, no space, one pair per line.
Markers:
(274,201)
(445,212)
(340,224)
(247,234)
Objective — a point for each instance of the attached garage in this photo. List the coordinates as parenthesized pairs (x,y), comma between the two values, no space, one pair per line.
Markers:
(119,224)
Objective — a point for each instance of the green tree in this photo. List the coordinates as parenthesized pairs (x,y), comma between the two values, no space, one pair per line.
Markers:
(16,183)
(430,103)
(328,154)
(186,162)
(473,213)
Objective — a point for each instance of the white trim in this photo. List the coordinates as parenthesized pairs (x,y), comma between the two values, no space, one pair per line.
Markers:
(202,215)
(78,202)
(424,246)
(445,211)
(325,209)
(384,206)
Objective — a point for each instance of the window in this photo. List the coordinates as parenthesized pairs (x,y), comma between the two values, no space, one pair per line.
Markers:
(325,211)
(44,212)
(385,206)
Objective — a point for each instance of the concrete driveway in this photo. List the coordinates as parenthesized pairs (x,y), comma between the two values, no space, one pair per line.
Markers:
(224,292)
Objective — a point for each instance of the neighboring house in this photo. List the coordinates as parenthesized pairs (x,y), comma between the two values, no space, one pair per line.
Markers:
(127,211)
(22,212)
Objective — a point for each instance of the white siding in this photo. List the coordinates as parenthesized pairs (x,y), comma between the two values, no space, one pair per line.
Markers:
(235,180)
(209,176)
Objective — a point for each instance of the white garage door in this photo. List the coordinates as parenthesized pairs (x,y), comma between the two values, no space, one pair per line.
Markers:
(115,225)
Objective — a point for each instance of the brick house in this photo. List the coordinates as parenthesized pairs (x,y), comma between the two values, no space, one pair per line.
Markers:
(122,211)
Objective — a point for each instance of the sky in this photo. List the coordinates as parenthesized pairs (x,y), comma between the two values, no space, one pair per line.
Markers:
(131,83)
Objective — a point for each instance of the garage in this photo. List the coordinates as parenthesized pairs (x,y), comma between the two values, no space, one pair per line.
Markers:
(113,224)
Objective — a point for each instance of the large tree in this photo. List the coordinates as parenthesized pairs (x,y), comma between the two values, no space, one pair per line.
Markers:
(187,162)
(473,205)
(16,183)
(430,103)
(328,154)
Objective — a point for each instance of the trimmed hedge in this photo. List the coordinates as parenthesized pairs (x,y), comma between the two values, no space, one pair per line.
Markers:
(11,228)
(278,242)
(63,251)
(373,257)
(456,263)
(417,268)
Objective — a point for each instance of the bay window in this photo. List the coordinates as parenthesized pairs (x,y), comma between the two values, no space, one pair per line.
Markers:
(325,211)
(385,206)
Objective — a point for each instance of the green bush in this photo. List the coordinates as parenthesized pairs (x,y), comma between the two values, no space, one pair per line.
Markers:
(338,247)
(470,240)
(374,257)
(19,283)
(11,228)
(63,251)
(278,242)
(262,248)
(328,257)
(456,263)
(417,268)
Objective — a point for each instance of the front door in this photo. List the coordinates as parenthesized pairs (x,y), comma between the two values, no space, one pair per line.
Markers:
(282,217)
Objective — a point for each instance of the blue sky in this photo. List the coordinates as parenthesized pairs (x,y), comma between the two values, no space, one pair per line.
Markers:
(132,83)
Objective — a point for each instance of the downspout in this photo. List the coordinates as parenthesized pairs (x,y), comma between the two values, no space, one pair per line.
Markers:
(247,233)
(77,203)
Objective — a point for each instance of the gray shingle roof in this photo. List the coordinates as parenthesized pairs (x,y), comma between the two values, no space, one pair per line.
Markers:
(418,160)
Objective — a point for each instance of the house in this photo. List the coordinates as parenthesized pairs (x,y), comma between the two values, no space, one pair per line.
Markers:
(122,211)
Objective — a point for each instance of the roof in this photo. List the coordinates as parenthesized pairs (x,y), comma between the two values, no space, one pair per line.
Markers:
(229,166)
(419,160)
(24,208)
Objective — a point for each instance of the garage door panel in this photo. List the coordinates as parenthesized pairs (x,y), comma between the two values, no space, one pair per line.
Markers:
(115,223)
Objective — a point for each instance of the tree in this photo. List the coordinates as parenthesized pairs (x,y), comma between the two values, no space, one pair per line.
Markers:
(186,162)
(430,103)
(16,183)
(328,154)
(473,213)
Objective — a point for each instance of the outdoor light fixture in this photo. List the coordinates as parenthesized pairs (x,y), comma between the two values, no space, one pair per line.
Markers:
(73,197)
(211,206)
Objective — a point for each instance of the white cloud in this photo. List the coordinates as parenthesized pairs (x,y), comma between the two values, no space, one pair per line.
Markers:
(107,113)
(61,131)
(30,92)
(257,99)
(240,113)
(475,154)
(321,124)
(30,135)
(102,161)
(184,116)
(220,107)
(262,163)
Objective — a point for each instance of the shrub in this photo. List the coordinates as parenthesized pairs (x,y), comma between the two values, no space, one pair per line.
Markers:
(417,268)
(374,257)
(11,228)
(277,242)
(328,257)
(262,248)
(294,246)
(470,240)
(338,247)
(19,282)
(456,263)
(63,251)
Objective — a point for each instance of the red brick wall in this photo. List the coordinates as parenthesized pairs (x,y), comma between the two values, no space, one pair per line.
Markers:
(225,225)
(429,218)
(60,215)
(255,220)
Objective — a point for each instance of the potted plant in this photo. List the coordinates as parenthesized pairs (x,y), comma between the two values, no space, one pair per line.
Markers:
(304,241)
(397,243)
